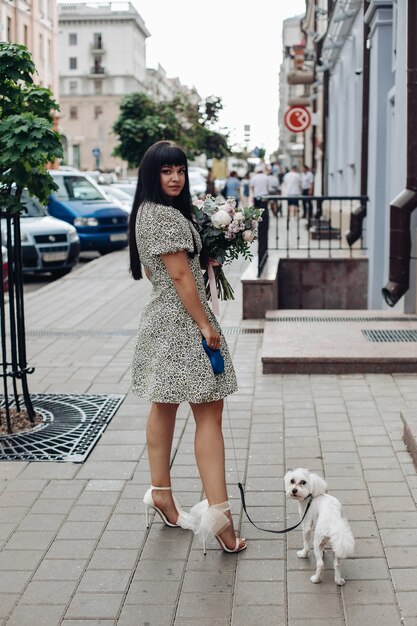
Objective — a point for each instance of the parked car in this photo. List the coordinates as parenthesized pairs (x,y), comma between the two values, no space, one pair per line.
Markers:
(48,244)
(129,188)
(118,195)
(101,223)
(4,268)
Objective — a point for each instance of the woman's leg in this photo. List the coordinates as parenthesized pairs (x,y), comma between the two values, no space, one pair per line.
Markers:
(159,434)
(209,453)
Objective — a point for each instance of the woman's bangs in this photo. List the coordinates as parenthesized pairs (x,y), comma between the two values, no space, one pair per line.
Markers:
(172,155)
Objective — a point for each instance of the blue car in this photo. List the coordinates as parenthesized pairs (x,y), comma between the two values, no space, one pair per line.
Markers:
(100,222)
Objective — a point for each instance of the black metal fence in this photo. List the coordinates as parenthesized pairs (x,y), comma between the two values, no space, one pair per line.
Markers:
(308,224)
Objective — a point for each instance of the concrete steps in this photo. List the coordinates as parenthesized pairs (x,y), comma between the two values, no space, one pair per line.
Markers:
(339,342)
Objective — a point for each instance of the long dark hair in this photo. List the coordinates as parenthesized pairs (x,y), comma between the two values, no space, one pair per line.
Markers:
(149,190)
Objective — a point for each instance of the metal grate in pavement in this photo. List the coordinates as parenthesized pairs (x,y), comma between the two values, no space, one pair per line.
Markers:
(124,332)
(71,427)
(390,336)
(326,318)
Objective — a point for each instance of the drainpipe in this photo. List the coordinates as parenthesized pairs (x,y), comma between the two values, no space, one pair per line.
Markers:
(404,204)
(358,215)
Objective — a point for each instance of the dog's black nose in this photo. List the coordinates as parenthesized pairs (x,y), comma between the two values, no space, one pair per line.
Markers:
(294,491)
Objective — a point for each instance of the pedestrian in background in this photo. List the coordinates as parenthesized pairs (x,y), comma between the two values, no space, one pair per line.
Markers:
(259,187)
(307,186)
(292,187)
(232,187)
(170,365)
(244,190)
(273,188)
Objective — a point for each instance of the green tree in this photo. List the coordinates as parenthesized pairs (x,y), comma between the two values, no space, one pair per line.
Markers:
(142,121)
(28,144)
(27,139)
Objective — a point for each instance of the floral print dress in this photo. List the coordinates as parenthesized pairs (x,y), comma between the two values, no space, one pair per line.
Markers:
(169,363)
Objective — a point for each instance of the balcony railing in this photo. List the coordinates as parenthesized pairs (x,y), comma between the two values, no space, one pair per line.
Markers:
(310,225)
(97,71)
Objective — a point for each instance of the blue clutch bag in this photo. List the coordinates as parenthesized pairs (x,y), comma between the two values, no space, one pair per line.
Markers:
(216,358)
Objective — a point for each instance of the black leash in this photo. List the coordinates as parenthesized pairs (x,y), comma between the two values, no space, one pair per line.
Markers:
(267,530)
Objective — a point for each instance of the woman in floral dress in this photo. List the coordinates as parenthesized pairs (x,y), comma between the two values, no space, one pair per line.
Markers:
(170,365)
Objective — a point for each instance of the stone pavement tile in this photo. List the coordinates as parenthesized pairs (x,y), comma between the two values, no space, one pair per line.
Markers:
(393,503)
(337,446)
(161,548)
(115,470)
(95,605)
(130,505)
(407,601)
(208,582)
(384,475)
(46,522)
(383,615)
(369,547)
(271,615)
(90,513)
(351,496)
(105,485)
(89,622)
(126,522)
(20,498)
(381,462)
(46,506)
(365,569)
(104,581)
(202,622)
(81,530)
(31,540)
(388,489)
(48,592)
(264,549)
(98,498)
(117,452)
(204,605)
(6,530)
(168,570)
(20,559)
(325,606)
(7,602)
(351,470)
(14,582)
(115,437)
(362,512)
(124,539)
(60,569)
(368,592)
(35,485)
(50,470)
(29,615)
(300,581)
(11,469)
(71,549)
(261,594)
(13,514)
(152,592)
(404,556)
(146,615)
(400,519)
(63,489)
(114,559)
(260,570)
(404,579)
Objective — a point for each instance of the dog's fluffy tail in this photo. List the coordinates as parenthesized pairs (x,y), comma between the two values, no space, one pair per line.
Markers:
(341,539)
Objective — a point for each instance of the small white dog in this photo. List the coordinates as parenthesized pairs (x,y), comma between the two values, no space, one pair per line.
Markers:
(324,518)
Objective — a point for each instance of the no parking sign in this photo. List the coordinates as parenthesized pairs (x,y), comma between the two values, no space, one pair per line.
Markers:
(297,119)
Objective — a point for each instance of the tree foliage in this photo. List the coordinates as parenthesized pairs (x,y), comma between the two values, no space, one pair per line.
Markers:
(142,121)
(27,139)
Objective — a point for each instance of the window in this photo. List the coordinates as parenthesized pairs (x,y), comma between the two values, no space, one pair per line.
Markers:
(49,50)
(9,29)
(72,39)
(41,46)
(25,35)
(98,110)
(76,161)
(73,63)
(73,113)
(98,86)
(97,41)
(73,86)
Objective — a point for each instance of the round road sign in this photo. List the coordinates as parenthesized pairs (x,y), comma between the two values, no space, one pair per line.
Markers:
(297,119)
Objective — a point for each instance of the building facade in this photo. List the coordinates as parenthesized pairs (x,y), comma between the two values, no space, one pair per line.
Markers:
(101,58)
(33,23)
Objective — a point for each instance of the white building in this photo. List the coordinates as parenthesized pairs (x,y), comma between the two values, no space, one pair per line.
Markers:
(33,24)
(101,58)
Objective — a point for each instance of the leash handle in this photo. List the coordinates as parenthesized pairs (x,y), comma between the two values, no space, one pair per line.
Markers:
(268,530)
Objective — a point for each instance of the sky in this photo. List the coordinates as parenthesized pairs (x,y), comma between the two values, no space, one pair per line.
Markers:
(226,49)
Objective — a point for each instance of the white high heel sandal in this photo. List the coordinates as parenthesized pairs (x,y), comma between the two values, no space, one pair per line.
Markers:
(205,520)
(149,504)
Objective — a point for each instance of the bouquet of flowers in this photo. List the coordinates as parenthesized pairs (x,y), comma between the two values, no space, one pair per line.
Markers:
(226,234)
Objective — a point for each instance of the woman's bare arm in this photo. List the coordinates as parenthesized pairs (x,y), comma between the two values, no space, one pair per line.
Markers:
(178,268)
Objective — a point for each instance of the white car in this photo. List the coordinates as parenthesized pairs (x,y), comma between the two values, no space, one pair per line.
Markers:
(48,244)
(198,184)
(118,195)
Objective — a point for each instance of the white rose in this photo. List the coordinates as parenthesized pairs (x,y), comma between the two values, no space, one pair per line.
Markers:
(239,217)
(220,219)
(247,235)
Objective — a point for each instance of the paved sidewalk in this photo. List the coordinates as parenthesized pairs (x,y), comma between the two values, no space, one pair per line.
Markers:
(74,547)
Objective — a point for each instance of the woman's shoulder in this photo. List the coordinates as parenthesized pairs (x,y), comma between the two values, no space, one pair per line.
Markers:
(161,214)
